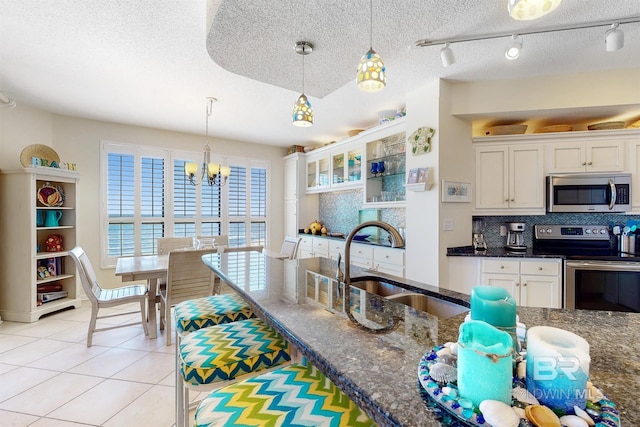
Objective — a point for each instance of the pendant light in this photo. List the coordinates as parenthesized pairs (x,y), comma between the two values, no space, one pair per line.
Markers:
(525,10)
(302,111)
(513,50)
(371,71)
(211,173)
(614,38)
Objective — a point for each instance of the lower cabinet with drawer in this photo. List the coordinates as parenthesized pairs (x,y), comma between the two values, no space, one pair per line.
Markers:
(533,282)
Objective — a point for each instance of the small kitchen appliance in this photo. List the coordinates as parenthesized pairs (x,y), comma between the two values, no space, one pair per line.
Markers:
(479,244)
(515,236)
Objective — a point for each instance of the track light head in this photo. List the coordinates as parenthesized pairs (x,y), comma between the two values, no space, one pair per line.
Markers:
(613,38)
(513,51)
(446,56)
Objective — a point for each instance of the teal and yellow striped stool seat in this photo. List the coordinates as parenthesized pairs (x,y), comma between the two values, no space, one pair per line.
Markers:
(199,313)
(225,351)
(292,395)
(210,356)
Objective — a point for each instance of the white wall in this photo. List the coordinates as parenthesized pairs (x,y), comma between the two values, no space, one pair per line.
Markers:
(78,141)
(451,158)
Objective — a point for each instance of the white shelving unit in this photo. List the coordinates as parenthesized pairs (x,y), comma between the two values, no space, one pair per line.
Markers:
(24,247)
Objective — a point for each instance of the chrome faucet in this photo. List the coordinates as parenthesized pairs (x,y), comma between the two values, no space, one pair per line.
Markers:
(396,242)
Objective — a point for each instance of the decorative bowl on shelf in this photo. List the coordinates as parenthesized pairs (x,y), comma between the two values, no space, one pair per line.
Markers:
(51,196)
(606,125)
(507,130)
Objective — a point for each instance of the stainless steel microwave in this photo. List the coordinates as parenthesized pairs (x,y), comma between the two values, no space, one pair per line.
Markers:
(594,192)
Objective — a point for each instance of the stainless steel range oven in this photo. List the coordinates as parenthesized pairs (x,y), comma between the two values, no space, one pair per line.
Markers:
(596,275)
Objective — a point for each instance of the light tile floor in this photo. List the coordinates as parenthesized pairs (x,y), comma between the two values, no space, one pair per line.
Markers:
(48,376)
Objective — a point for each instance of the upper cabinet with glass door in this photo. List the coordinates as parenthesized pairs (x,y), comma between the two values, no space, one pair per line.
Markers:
(335,168)
(385,165)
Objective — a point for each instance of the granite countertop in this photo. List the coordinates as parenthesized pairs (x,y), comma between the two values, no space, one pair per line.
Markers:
(379,371)
(499,252)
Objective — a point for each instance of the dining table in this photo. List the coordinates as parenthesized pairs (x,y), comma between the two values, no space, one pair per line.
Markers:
(149,268)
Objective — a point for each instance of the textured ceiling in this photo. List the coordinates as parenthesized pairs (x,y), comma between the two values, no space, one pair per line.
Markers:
(154,62)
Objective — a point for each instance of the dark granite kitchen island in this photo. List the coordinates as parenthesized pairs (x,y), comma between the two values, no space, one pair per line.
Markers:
(379,371)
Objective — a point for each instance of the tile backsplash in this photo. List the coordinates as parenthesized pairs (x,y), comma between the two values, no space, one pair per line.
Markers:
(493,223)
(339,211)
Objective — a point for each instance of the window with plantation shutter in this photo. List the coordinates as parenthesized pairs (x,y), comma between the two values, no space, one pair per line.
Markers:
(149,196)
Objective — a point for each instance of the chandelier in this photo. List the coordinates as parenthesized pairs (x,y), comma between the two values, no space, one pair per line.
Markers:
(212,173)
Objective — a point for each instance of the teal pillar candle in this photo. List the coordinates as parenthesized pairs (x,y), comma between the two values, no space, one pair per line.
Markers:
(485,367)
(557,367)
(493,305)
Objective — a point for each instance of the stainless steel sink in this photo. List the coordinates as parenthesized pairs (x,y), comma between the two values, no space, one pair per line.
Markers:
(421,302)
(436,306)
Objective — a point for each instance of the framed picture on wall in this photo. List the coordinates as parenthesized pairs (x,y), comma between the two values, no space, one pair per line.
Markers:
(453,191)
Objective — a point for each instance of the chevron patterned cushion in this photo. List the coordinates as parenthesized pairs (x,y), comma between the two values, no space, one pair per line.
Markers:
(293,395)
(200,313)
(226,351)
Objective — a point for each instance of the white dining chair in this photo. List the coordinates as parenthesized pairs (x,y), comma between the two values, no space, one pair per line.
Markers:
(187,278)
(103,298)
(167,244)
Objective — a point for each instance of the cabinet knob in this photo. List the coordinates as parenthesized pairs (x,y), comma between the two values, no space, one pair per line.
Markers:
(583,163)
(513,200)
(502,267)
(517,284)
(590,163)
(386,256)
(540,268)
(524,284)
(506,200)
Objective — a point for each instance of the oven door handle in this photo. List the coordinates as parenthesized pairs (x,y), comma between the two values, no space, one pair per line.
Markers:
(604,265)
(613,194)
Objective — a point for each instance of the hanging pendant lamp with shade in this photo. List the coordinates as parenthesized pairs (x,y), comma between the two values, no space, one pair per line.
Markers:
(302,111)
(372,74)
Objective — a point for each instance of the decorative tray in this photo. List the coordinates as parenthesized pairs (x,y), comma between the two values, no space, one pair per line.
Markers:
(452,414)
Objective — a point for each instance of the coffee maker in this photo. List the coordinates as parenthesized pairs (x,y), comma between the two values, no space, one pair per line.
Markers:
(515,236)
(479,243)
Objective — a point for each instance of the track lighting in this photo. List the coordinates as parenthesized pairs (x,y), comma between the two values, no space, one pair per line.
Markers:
(513,51)
(614,38)
(446,56)
(525,10)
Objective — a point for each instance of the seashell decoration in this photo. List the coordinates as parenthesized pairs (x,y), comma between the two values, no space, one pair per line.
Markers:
(524,396)
(573,421)
(443,373)
(519,412)
(443,351)
(593,393)
(522,370)
(449,359)
(499,414)
(542,416)
(583,414)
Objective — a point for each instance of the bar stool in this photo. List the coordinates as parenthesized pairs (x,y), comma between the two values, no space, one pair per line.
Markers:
(195,314)
(292,395)
(209,357)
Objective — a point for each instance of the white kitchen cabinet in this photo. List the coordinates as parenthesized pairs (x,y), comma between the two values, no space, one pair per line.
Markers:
(318,172)
(509,178)
(388,260)
(336,247)
(346,166)
(464,274)
(312,247)
(533,282)
(31,276)
(634,169)
(592,156)
(300,209)
(362,255)
(334,168)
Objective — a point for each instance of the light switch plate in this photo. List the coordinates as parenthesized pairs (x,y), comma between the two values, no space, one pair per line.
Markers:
(448,224)
(503,230)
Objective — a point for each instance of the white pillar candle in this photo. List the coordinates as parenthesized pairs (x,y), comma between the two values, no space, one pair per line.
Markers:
(557,367)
